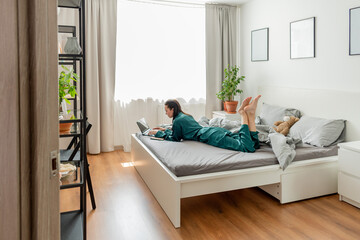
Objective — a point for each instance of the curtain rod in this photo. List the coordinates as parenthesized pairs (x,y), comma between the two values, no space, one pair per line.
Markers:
(221,4)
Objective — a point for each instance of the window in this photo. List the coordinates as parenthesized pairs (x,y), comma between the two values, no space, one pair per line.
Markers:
(160,51)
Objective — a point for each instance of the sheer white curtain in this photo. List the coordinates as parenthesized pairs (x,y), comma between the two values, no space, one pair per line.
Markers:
(100,73)
(160,54)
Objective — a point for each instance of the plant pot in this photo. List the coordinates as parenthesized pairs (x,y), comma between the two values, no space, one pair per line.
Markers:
(64,127)
(231,106)
(225,109)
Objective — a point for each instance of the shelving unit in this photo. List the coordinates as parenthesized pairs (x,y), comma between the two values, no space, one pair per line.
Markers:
(73,223)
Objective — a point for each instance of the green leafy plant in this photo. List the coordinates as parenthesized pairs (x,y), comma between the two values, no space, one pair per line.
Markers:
(66,87)
(229,86)
(221,95)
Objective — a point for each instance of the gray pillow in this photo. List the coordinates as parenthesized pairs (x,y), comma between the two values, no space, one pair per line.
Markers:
(319,132)
(270,114)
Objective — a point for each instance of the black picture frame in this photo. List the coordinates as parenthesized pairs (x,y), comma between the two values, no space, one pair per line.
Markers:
(354,31)
(260,45)
(302,38)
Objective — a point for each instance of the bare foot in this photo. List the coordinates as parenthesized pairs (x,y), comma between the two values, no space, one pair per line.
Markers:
(244,104)
(251,108)
(242,112)
(244,117)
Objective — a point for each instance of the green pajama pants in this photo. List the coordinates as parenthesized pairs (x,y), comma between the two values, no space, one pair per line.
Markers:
(244,140)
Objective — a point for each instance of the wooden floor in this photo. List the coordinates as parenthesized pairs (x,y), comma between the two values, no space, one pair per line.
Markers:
(126,209)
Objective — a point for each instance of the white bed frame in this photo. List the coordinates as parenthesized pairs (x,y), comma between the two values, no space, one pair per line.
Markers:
(301,180)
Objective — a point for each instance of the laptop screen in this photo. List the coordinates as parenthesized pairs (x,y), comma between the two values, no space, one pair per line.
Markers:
(142,124)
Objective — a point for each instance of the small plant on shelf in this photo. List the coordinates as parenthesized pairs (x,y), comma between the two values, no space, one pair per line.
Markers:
(66,89)
(230,88)
(66,86)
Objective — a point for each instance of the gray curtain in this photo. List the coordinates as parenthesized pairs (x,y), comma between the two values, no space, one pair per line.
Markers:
(221,50)
(100,73)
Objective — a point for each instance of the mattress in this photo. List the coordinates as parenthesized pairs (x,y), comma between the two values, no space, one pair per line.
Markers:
(191,158)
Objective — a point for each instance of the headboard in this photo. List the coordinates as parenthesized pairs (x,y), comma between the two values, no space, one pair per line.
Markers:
(330,104)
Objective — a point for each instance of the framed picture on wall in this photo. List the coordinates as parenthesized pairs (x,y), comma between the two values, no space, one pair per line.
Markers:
(302,38)
(354,31)
(260,45)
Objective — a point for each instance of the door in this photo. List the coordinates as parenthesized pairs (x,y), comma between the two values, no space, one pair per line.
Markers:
(29,190)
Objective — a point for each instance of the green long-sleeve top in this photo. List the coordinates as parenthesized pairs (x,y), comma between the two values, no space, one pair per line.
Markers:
(185,127)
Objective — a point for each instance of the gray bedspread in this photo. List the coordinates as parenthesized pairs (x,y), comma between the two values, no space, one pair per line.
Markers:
(283,147)
(191,157)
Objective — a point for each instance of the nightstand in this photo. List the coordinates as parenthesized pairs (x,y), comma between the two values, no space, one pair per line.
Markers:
(225,115)
(349,173)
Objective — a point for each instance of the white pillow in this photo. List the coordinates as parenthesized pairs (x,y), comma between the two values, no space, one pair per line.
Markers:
(270,114)
(319,132)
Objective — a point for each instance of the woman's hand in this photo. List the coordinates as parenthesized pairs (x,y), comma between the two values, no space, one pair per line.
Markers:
(159,128)
(153,132)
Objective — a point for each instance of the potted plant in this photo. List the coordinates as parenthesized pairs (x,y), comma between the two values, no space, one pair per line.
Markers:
(230,88)
(66,90)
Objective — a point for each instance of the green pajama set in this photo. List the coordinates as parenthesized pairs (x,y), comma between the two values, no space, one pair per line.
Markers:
(185,127)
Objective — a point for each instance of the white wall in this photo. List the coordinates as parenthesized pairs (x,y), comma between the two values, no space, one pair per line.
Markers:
(332,68)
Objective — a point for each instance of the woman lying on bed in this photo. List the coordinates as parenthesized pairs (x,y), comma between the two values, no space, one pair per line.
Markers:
(185,127)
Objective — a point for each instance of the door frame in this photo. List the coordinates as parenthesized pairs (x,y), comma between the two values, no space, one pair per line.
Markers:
(29,192)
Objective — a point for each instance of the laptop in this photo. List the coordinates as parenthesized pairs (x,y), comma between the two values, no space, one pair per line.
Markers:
(144,127)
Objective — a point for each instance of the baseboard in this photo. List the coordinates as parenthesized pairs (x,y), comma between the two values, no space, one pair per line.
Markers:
(119,147)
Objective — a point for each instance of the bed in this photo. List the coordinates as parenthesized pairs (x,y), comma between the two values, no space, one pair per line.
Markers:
(301,180)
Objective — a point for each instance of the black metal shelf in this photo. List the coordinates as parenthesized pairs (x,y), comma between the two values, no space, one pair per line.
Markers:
(72,116)
(79,180)
(69,3)
(67,62)
(72,185)
(71,98)
(70,134)
(67,29)
(66,154)
(70,57)
(71,225)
